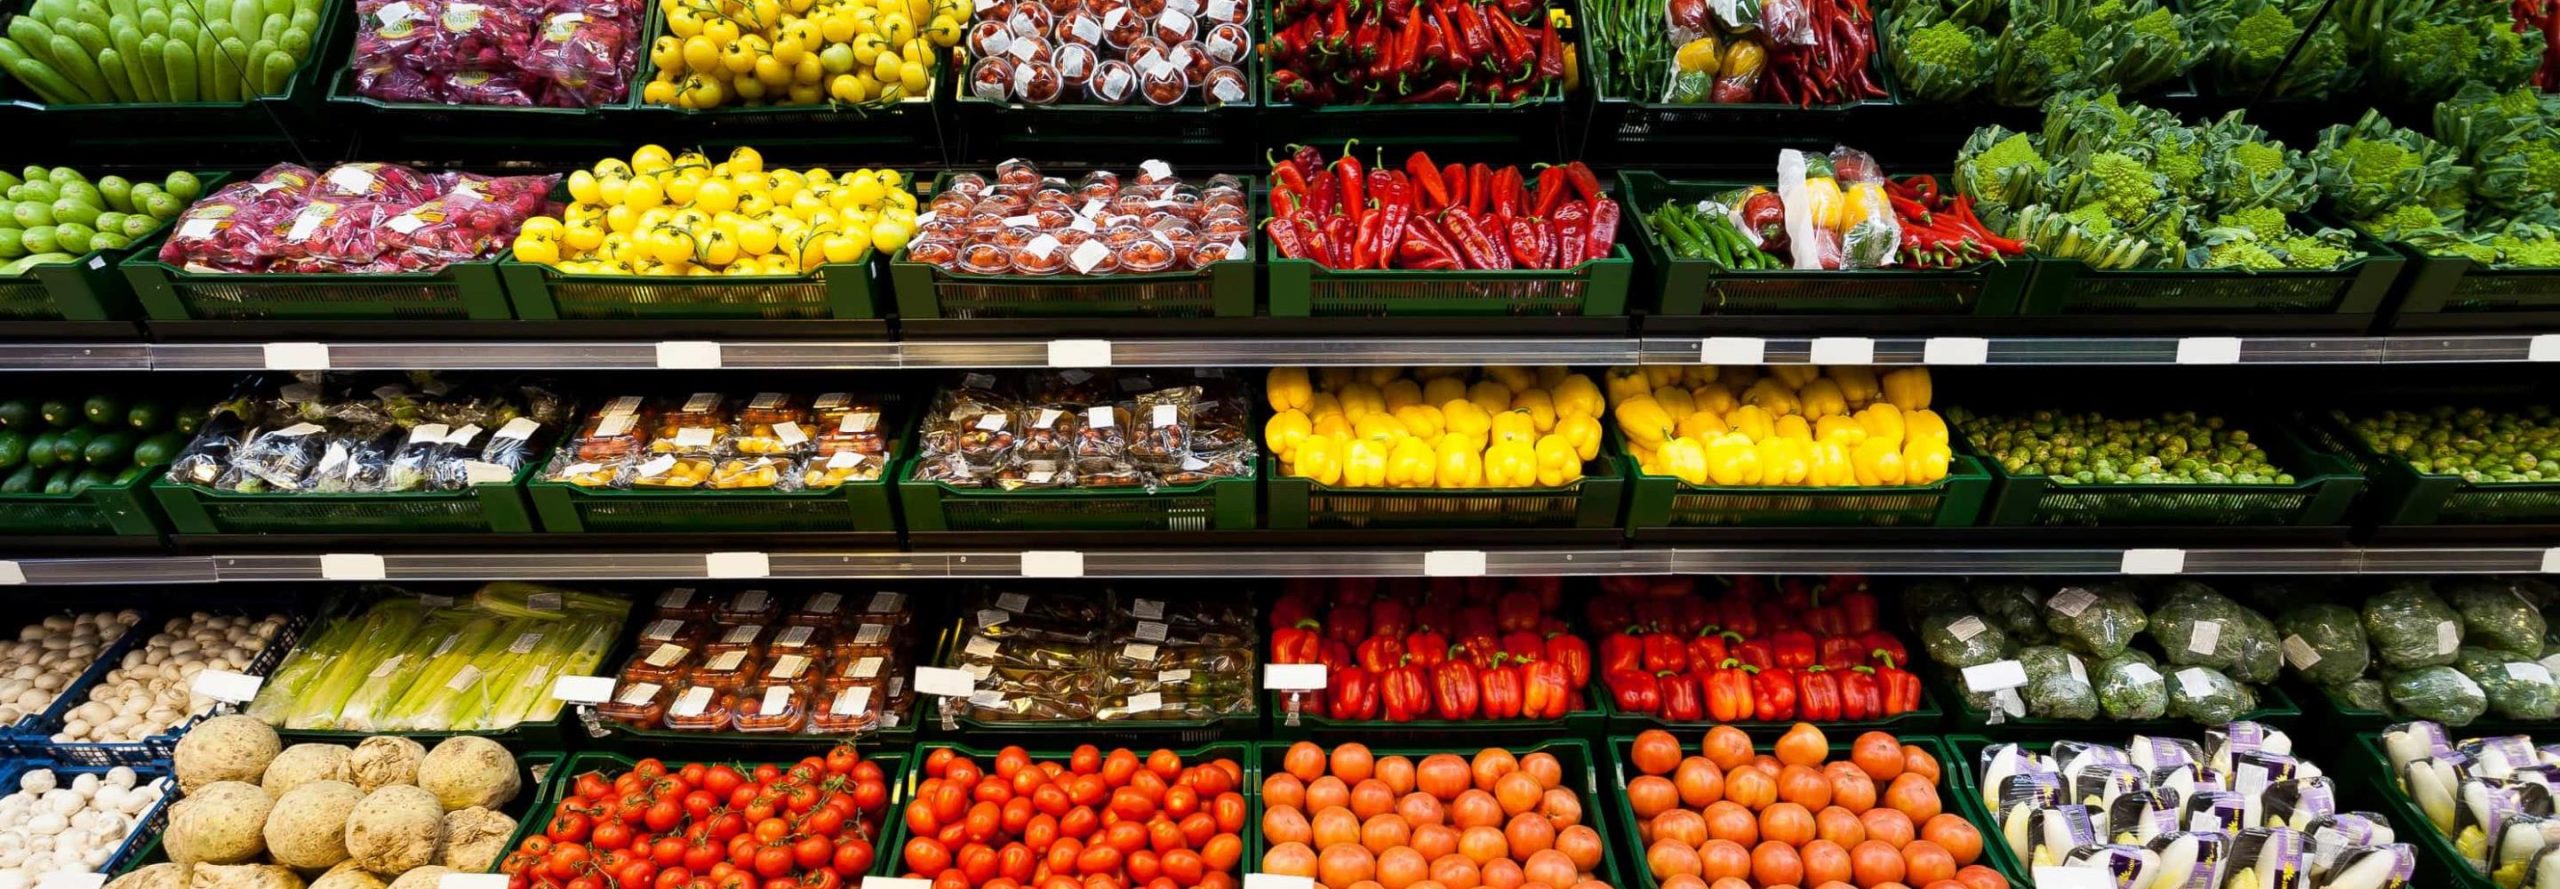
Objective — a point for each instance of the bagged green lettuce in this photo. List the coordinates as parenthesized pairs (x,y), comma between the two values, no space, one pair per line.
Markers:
(2324,642)
(2197,627)
(2496,614)
(2364,694)
(1960,639)
(2016,608)
(2057,684)
(2261,656)
(2130,686)
(2208,696)
(2097,620)
(2516,688)
(2440,694)
(2411,628)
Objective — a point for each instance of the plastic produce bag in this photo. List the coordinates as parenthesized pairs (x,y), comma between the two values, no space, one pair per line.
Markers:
(2014,607)
(1963,639)
(2208,696)
(1933,597)
(2364,694)
(2324,643)
(2437,693)
(2198,627)
(1870,233)
(2410,627)
(2261,656)
(2496,614)
(1787,22)
(2516,688)
(2130,686)
(1814,206)
(2095,620)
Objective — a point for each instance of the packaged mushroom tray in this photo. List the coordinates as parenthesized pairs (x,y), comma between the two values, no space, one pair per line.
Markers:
(757,662)
(766,441)
(1105,655)
(1024,223)
(1079,429)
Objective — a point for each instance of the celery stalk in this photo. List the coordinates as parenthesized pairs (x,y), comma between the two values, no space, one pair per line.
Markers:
(430,700)
(385,630)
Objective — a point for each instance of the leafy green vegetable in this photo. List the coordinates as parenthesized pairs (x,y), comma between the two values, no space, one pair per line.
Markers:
(2517,687)
(2197,627)
(2410,627)
(2495,614)
(2324,642)
(2061,697)
(2014,607)
(2250,38)
(2208,696)
(2130,686)
(2097,620)
(2438,693)
(2365,694)
(1960,639)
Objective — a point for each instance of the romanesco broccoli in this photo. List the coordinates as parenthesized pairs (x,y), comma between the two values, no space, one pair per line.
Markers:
(2373,166)
(2260,40)
(1944,61)
(2128,188)
(2534,248)
(2400,220)
(2092,220)
(2266,223)
(2307,252)
(2241,253)
(2037,57)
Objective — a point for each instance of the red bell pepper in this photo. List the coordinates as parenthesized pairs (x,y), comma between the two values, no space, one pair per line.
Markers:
(1405,693)
(1818,695)
(1826,620)
(1900,687)
(1711,646)
(1740,615)
(1454,687)
(1300,604)
(1840,652)
(1481,648)
(1499,684)
(1635,691)
(1861,698)
(1545,693)
(1664,652)
(1426,646)
(1622,651)
(1753,653)
(1569,651)
(1352,694)
(1380,653)
(1728,692)
(1681,699)
(1773,694)
(1517,610)
(1348,624)
(1334,655)
(1297,644)
(1792,649)
(1881,644)
(1858,610)
(1523,645)
(1389,616)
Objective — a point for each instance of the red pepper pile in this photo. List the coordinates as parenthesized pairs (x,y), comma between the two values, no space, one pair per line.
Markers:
(1426,217)
(1340,52)
(1442,649)
(1939,231)
(1833,69)
(1809,650)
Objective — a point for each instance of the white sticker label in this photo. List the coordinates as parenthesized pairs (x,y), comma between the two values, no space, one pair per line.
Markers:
(1222,10)
(1155,169)
(463,681)
(844,460)
(2078,877)
(1147,609)
(1044,246)
(67,879)
(1165,415)
(1101,416)
(225,685)
(981,647)
(428,432)
(639,694)
(1732,350)
(789,433)
(1278,881)
(2299,653)
(676,599)
(1047,419)
(481,472)
(2196,682)
(737,565)
(945,682)
(2209,350)
(1170,676)
(472,881)
(1024,49)
(11,574)
(794,637)
(1994,676)
(1293,677)
(199,228)
(356,180)
(991,422)
(297,430)
(741,634)
(665,656)
(2448,637)
(296,356)
(582,689)
(1146,702)
(306,222)
(622,406)
(351,566)
(1013,602)
(2071,601)
(776,700)
(405,224)
(1140,652)
(728,661)
(388,666)
(1967,627)
(994,617)
(2208,633)
(1052,563)
(688,355)
(661,630)
(524,643)
(866,668)
(1453,563)
(694,437)
(1079,353)
(658,466)
(1083,224)
(858,422)
(855,702)
(2153,561)
(2551,560)
(1150,631)
(692,702)
(1843,350)
(2141,673)
(2528,671)
(1955,350)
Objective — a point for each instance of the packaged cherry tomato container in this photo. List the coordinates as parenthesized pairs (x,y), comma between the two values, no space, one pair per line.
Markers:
(1038,243)
(769,669)
(1043,84)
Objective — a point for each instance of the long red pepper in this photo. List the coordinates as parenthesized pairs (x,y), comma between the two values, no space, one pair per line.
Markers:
(1435,190)
(1285,237)
(1603,235)
(1573,221)
(1349,181)
(1479,188)
(1522,233)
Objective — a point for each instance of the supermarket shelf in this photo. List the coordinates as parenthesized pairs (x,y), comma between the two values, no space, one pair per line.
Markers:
(506,355)
(1270,352)
(1242,563)
(74,356)
(2060,350)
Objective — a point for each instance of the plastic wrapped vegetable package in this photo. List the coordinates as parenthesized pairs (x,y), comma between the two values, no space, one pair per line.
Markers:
(2207,695)
(2410,627)
(2496,613)
(2130,687)
(1960,639)
(2015,607)
(2097,620)
(2438,693)
(2324,642)
(403,662)
(2516,687)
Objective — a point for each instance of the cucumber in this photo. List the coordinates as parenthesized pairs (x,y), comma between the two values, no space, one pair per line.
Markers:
(109,450)
(90,477)
(147,416)
(22,481)
(13,449)
(67,447)
(60,481)
(40,450)
(103,410)
(16,412)
(130,473)
(159,449)
(58,413)
(190,419)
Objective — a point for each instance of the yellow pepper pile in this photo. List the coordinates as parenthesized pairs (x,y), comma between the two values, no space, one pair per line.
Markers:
(1433,427)
(1796,426)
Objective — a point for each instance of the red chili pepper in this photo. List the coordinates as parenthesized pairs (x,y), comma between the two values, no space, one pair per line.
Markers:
(1602,239)
(1364,242)
(1545,692)
(1551,188)
(1523,234)
(1435,189)
(1861,698)
(1418,252)
(1683,699)
(1299,643)
(1285,236)
(1463,52)
(1728,693)
(1476,245)
(1308,159)
(1377,653)
(1479,189)
(1901,688)
(1438,237)
(1498,684)
(1405,693)
(1319,247)
(1572,221)
(1573,654)
(1352,694)
(1519,55)
(1340,232)
(1472,28)
(1550,52)
(1773,694)
(1634,691)
(1506,190)
(1456,175)
(1321,197)
(1546,232)
(1350,180)
(1817,696)
(1455,687)
(1395,204)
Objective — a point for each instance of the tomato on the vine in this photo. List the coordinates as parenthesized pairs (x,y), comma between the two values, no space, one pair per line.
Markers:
(721,780)
(841,759)
(567,860)
(635,873)
(767,773)
(569,827)
(799,797)
(772,861)
(650,769)
(672,878)
(853,856)
(663,815)
(610,835)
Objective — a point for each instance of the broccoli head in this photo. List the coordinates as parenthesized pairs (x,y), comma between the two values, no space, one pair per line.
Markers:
(2092,220)
(2260,39)
(2428,59)
(2142,51)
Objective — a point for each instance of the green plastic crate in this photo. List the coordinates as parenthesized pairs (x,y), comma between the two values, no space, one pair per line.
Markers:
(1661,501)
(2448,287)
(904,783)
(854,506)
(2325,486)
(1925,719)
(831,124)
(1582,775)
(117,509)
(1299,504)
(2071,287)
(89,288)
(154,121)
(2275,708)
(1232,726)
(836,290)
(1585,723)
(2402,495)
(1227,504)
(896,764)
(1224,290)
(1962,772)
(1995,854)
(481,509)
(2436,854)
(1697,287)
(544,773)
(464,290)
(1300,288)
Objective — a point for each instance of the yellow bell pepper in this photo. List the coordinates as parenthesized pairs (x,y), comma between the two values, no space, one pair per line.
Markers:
(1287,388)
(1576,394)
(1541,407)
(1908,388)
(1883,422)
(1696,375)
(1752,421)
(1822,398)
(1841,430)
(1492,396)
(1702,426)
(1713,398)
(1829,466)
(1862,202)
(1685,459)
(1780,462)
(1857,384)
(1324,404)
(1461,463)
(1675,401)
(1823,200)
(1329,379)
(1511,464)
(1443,389)
(1794,376)
(1383,429)
(1460,417)
(1359,399)
(1774,395)
(1924,427)
(1558,464)
(1335,426)
(1398,393)
(1877,462)
(1379,376)
(1514,426)
(1643,421)
(1411,465)
(1626,382)
(1795,427)
(1582,432)
(1421,421)
(1320,459)
(1284,430)
(1725,455)
(1924,463)
(1511,376)
(1648,460)
(1660,375)
(1364,465)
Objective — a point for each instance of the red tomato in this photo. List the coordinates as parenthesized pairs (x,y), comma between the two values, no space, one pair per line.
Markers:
(610,835)
(1016,862)
(592,785)
(800,797)
(1142,866)
(939,761)
(567,860)
(1079,822)
(772,830)
(672,878)
(1017,814)
(1051,798)
(977,862)
(700,856)
(650,769)
(1089,790)
(853,857)
(811,853)
(663,816)
(1131,803)
(1221,852)
(568,827)
(1062,855)
(821,879)
(698,804)
(827,821)
(1086,760)
(1180,801)
(1126,836)
(964,773)
(1163,836)
(1185,867)
(1117,768)
(726,825)
(871,794)
(1098,860)
(1164,763)
(1228,808)
(841,759)
(691,773)
(1042,831)
(949,801)
(1197,829)
(635,873)
(926,857)
(1010,760)
(984,820)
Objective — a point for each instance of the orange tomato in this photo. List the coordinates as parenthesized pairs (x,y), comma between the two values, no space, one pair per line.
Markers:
(1544,767)
(1344,865)
(1550,867)
(1654,752)
(1383,832)
(1483,844)
(1397,771)
(1912,795)
(1285,824)
(1728,820)
(1917,760)
(1561,807)
(1336,827)
(1352,762)
(1804,786)
(1749,787)
(1788,823)
(1371,798)
(1874,861)
(1954,834)
(1825,862)
(1851,789)
(1490,765)
(1719,859)
(1419,808)
(1924,862)
(1774,863)
(1683,825)
(1443,775)
(1727,747)
(1887,825)
(1435,840)
(1528,833)
(1670,858)
(1580,844)
(1699,781)
(1291,859)
(1476,808)
(1975,876)
(1878,754)
(1803,745)
(1400,867)
(1305,760)
(1839,825)
(1518,792)
(1650,795)
(1501,874)
(1326,792)
(1456,872)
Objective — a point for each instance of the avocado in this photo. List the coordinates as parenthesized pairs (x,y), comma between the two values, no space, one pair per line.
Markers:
(90,477)
(190,419)
(60,481)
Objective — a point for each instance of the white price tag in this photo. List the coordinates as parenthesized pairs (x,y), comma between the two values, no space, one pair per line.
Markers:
(1844,350)
(2196,682)
(479,472)
(2209,350)
(688,355)
(737,565)
(2058,877)
(1995,676)
(1453,563)
(1278,881)
(2071,601)
(583,689)
(2299,653)
(2448,637)
(945,682)
(2545,347)
(2208,633)
(2153,561)
(1155,169)
(472,881)
(854,702)
(11,574)
(1147,702)
(69,879)
(351,566)
(1955,350)
(1966,627)
(895,883)
(1151,631)
(297,356)
(224,685)
(1293,677)
(1103,416)
(1080,353)
(1732,350)
(1140,652)
(2551,560)
(2528,671)
(1052,563)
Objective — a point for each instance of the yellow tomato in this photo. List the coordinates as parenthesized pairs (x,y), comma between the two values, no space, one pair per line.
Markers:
(716,249)
(789,50)
(582,186)
(681,186)
(650,159)
(582,236)
(659,92)
(750,90)
(772,72)
(756,238)
(889,235)
(755,203)
(836,28)
(843,247)
(620,218)
(535,247)
(609,188)
(915,78)
(891,179)
(867,49)
(887,67)
(667,52)
(683,22)
(704,92)
(808,72)
(738,58)
(544,226)
(896,28)
(846,88)
(943,31)
(643,193)
(716,196)
(666,244)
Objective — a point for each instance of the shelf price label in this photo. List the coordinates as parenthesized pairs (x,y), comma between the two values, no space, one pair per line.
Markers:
(1453,563)
(352,566)
(12,575)
(2153,561)
(224,685)
(583,689)
(296,356)
(2209,350)
(472,881)
(734,566)
(1955,350)
(895,883)
(1278,881)
(1843,350)
(72,879)
(1052,563)
(2550,564)
(1732,350)
(1079,353)
(688,355)
(1293,677)
(2062,877)
(2545,347)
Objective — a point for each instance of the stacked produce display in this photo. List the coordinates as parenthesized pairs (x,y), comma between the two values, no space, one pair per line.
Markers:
(748,54)
(1493,818)
(1434,427)
(744,664)
(354,219)
(2480,189)
(1103,656)
(151,690)
(1116,53)
(2479,798)
(663,213)
(1794,52)
(1809,649)
(1108,819)
(768,441)
(2092,448)
(1028,225)
(1423,52)
(1446,653)
(50,654)
(368,434)
(2518,443)
(221,51)
(1800,425)
(2018,650)
(627,823)
(56,215)
(1423,217)
(2022,53)
(85,817)
(425,663)
(1079,429)
(559,55)
(59,443)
